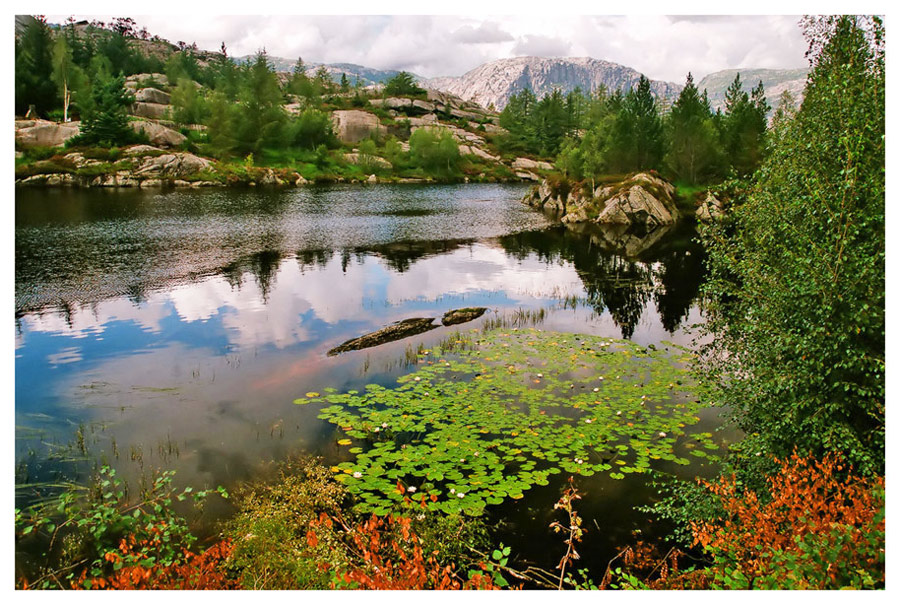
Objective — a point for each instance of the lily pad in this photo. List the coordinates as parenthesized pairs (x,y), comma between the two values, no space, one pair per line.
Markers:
(475,422)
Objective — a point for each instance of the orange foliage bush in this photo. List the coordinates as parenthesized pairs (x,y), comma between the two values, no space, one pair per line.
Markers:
(203,571)
(821,528)
(388,556)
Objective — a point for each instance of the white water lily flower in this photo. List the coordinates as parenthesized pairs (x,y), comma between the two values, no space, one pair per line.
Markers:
(376,429)
(601,378)
(596,389)
(587,421)
(417,379)
(619,413)
(452,491)
(384,424)
(462,459)
(357,475)
(460,495)
(411,489)
(661,434)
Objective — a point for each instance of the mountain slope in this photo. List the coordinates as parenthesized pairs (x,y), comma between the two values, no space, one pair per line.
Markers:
(775,81)
(495,82)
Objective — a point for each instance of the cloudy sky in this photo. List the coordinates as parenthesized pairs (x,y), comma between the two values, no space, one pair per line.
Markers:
(662,47)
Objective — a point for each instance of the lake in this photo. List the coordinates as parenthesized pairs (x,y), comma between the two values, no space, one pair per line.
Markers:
(174,329)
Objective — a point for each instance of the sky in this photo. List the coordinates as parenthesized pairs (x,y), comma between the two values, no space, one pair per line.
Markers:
(662,47)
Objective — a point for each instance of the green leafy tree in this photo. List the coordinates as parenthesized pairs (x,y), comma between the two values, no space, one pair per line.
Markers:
(798,274)
(66,74)
(107,121)
(403,84)
(434,150)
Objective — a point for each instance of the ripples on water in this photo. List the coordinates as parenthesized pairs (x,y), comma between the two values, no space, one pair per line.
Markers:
(183,324)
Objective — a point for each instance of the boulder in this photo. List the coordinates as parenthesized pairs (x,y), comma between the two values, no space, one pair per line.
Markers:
(159,134)
(354,125)
(152,95)
(44,133)
(172,165)
(155,111)
(526,164)
(710,209)
(527,176)
(372,179)
(138,150)
(636,205)
(478,152)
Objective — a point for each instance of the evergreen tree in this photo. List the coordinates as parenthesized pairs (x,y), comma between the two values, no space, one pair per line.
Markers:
(693,141)
(107,121)
(744,126)
(34,83)
(403,84)
(261,117)
(345,83)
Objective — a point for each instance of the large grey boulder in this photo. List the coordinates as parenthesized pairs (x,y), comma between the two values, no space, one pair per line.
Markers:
(637,206)
(172,165)
(152,95)
(526,164)
(154,111)
(158,134)
(354,125)
(44,133)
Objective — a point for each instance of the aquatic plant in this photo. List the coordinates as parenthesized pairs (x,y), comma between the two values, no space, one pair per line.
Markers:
(489,422)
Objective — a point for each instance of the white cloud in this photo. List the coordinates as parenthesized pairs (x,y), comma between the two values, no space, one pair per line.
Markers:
(662,47)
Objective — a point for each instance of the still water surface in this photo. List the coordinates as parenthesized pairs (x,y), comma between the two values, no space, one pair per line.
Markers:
(178,327)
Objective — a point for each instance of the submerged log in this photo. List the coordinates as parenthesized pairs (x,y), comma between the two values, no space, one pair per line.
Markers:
(395,331)
(461,316)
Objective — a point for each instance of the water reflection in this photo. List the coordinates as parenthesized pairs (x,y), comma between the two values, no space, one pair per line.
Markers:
(188,323)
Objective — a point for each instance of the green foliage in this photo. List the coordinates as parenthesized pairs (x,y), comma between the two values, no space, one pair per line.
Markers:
(403,84)
(313,128)
(694,152)
(743,127)
(465,432)
(106,123)
(434,150)
(34,83)
(259,119)
(77,531)
(189,105)
(797,277)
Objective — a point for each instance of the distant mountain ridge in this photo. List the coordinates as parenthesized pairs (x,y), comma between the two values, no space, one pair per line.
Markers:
(493,83)
(775,81)
(367,75)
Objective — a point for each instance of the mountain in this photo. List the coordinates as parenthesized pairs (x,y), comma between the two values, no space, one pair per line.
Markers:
(775,81)
(495,82)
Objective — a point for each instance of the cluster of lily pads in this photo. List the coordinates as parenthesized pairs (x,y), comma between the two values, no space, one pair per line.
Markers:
(473,427)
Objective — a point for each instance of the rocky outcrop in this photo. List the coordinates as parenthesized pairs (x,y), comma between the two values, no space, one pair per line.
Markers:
(527,164)
(478,152)
(172,165)
(44,133)
(354,125)
(152,95)
(395,331)
(641,200)
(710,209)
(158,134)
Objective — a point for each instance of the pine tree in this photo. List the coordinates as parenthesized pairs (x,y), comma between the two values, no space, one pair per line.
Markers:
(107,121)
(693,141)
